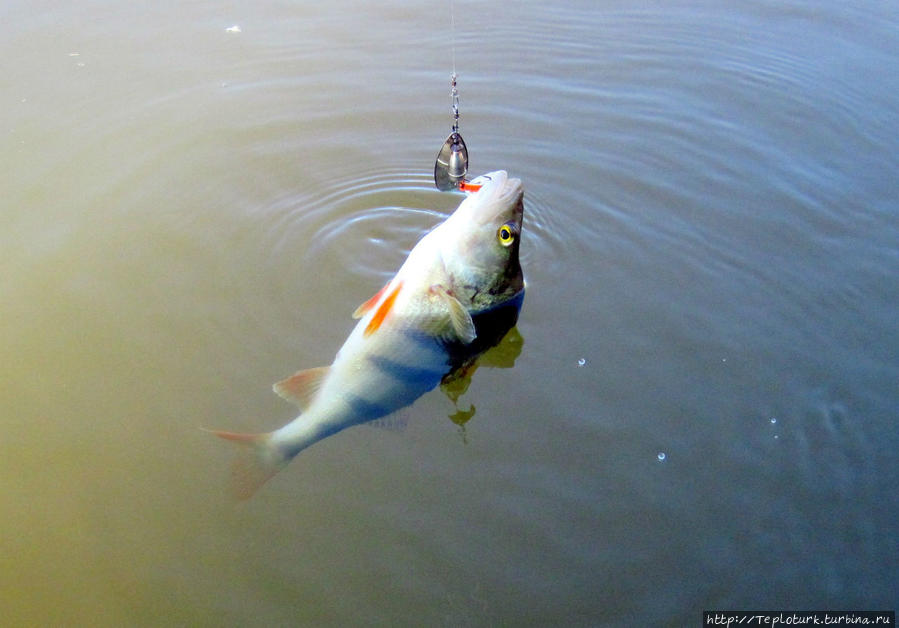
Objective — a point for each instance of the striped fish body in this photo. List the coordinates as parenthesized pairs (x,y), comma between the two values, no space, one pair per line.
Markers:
(436,312)
(369,379)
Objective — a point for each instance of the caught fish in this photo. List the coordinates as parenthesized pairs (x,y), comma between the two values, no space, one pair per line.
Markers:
(458,292)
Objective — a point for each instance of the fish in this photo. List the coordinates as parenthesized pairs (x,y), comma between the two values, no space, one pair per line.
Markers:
(458,292)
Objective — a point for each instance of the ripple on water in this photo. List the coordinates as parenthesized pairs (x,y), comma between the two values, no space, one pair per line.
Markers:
(366,224)
(363,225)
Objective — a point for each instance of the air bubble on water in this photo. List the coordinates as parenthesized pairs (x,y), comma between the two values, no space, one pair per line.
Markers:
(661,456)
(581,361)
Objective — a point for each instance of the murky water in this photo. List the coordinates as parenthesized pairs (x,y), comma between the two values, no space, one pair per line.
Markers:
(703,411)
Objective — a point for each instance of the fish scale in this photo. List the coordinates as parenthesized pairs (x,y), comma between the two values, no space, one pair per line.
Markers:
(411,334)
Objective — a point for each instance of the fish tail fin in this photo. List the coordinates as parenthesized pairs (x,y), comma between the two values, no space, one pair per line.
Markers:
(258,460)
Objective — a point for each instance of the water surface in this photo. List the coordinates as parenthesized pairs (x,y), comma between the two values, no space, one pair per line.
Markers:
(703,411)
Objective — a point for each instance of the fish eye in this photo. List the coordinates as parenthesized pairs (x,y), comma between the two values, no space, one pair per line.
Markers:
(505,235)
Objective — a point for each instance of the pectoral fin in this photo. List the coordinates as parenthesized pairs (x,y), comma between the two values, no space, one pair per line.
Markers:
(301,387)
(460,319)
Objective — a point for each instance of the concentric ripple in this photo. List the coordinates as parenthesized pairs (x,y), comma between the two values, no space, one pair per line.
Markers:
(364,226)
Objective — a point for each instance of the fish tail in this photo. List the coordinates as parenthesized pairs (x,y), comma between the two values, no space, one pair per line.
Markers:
(258,460)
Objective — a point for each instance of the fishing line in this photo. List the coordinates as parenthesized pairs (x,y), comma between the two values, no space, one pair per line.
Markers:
(453,33)
(451,166)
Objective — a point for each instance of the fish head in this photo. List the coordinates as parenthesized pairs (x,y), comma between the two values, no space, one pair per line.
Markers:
(479,243)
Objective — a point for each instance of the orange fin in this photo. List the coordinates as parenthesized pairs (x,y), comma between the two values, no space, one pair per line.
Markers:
(301,387)
(257,462)
(363,309)
(382,311)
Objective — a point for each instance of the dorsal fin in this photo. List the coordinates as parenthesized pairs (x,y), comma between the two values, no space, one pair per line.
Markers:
(363,309)
(301,387)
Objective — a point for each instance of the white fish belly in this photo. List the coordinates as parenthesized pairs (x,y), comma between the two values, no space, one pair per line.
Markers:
(370,378)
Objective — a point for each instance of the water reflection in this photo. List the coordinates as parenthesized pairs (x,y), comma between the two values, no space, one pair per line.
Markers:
(500,355)
(184,214)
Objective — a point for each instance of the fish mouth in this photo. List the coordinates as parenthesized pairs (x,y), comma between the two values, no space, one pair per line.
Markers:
(497,190)
(512,191)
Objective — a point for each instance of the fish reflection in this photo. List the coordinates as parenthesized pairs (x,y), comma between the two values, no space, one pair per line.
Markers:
(457,294)
(502,355)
